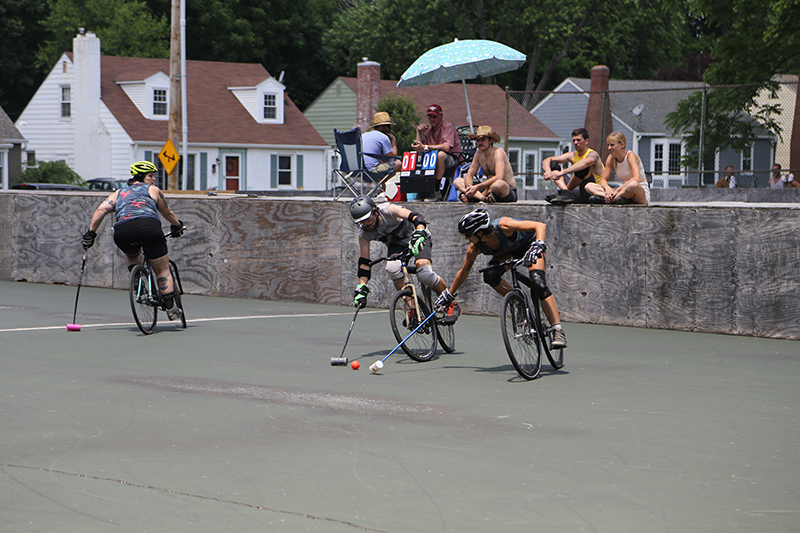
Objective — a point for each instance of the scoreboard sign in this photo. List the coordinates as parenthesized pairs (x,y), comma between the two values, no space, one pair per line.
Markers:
(417,172)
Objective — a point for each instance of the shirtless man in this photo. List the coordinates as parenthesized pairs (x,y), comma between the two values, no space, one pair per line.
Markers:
(500,185)
(586,168)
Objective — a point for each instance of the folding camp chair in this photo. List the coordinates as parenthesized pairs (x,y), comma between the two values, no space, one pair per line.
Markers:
(352,172)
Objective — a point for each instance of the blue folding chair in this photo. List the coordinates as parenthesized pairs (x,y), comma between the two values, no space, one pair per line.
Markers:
(352,171)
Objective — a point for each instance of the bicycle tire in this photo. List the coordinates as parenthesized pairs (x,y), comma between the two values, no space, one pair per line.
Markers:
(546,332)
(422,345)
(445,333)
(521,337)
(177,290)
(143,300)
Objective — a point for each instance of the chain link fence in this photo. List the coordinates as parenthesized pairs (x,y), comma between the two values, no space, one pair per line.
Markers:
(686,133)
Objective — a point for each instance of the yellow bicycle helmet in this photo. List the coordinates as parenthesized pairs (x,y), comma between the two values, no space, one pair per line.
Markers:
(141,168)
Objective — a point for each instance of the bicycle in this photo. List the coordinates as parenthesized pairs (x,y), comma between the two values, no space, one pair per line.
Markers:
(408,311)
(146,299)
(526,330)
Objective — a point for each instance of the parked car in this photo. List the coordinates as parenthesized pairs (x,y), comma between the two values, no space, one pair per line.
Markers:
(105,184)
(48,187)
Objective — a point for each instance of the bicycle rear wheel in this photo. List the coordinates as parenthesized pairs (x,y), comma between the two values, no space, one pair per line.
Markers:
(143,300)
(556,357)
(177,289)
(520,336)
(421,345)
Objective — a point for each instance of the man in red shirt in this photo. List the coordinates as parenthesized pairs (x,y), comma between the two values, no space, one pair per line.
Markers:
(440,135)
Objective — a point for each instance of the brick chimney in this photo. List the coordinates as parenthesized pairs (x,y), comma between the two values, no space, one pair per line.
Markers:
(594,123)
(369,92)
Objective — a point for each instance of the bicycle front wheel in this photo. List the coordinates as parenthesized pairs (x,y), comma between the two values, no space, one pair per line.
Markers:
(446,334)
(422,344)
(521,337)
(178,290)
(143,300)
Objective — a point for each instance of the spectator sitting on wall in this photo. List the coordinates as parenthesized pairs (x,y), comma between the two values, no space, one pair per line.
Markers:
(779,182)
(728,181)
(629,170)
(500,185)
(439,135)
(585,165)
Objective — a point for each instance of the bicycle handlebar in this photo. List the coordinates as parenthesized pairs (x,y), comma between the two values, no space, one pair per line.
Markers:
(508,264)
(183,228)
(405,254)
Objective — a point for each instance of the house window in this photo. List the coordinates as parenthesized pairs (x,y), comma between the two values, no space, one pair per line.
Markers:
(66,101)
(747,158)
(513,158)
(159,102)
(270,107)
(284,170)
(530,170)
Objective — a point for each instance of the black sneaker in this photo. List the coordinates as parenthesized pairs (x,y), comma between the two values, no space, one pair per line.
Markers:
(597,199)
(619,200)
(564,197)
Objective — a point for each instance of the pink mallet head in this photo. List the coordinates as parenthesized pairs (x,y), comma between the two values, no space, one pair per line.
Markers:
(73,327)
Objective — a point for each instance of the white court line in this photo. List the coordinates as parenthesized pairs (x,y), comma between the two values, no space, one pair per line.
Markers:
(215,319)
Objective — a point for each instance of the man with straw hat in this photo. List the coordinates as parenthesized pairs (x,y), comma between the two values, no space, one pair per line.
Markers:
(500,185)
(380,141)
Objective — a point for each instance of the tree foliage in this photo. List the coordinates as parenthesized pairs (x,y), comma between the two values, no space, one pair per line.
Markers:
(49,172)
(404,113)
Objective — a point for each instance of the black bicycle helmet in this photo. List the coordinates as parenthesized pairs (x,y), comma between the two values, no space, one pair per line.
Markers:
(142,168)
(473,222)
(361,208)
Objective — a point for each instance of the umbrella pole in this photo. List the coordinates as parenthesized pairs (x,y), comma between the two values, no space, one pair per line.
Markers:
(466,97)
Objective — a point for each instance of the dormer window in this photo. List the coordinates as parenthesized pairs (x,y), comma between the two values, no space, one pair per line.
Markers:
(159,102)
(270,108)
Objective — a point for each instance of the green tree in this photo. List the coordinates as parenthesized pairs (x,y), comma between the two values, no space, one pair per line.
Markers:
(124,27)
(49,172)
(404,113)
(21,33)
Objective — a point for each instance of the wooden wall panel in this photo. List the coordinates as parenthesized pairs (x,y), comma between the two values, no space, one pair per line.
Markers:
(713,268)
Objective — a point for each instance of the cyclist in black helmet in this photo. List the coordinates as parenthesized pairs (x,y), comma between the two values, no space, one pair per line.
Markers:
(502,239)
(137,227)
(399,229)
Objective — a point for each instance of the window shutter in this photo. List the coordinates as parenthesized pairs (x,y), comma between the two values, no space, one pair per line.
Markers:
(273,171)
(299,159)
(203,170)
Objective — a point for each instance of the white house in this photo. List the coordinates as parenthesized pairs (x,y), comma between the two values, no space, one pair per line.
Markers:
(100,113)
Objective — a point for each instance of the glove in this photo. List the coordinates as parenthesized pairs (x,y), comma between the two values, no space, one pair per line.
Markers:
(445,299)
(360,295)
(88,239)
(534,252)
(418,240)
(177,231)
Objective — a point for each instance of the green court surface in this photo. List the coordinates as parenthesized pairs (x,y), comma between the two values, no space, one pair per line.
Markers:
(239,423)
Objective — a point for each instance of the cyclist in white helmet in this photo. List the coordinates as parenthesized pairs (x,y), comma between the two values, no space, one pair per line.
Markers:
(137,227)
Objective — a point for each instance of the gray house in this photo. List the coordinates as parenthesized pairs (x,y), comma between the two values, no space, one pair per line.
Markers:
(12,146)
(638,110)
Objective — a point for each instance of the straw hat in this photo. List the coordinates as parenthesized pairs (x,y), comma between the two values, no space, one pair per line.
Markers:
(485,131)
(382,118)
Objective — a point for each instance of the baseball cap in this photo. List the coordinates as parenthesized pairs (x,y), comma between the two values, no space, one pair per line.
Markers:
(434,109)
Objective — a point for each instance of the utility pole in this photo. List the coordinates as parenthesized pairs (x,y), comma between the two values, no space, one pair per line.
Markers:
(175,53)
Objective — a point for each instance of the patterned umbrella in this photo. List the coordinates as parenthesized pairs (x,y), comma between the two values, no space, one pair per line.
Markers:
(461,60)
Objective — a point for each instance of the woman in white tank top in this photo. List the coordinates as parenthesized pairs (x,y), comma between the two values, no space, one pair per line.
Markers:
(630,171)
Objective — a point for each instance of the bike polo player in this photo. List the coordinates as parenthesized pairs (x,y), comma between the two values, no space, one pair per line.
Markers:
(502,239)
(137,227)
(398,228)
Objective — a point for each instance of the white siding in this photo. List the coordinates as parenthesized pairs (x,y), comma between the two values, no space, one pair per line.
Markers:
(41,123)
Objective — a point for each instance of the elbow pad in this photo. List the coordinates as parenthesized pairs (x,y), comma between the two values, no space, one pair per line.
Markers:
(417,219)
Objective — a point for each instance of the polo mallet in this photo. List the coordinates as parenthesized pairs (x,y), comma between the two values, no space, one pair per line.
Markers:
(342,360)
(377,365)
(74,326)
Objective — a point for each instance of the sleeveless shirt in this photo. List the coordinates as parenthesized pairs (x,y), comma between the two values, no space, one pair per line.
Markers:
(134,201)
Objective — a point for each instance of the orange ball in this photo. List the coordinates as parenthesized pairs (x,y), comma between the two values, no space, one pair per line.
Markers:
(356,365)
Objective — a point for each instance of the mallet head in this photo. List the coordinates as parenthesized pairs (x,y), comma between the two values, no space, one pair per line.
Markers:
(73,327)
(338,361)
(375,367)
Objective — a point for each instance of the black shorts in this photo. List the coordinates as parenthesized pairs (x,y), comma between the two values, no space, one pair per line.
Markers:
(510,197)
(138,234)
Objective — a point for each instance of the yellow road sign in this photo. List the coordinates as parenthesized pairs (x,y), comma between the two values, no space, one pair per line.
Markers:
(169,156)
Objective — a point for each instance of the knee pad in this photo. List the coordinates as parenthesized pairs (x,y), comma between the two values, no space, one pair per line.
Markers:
(427,276)
(493,276)
(539,284)
(395,270)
